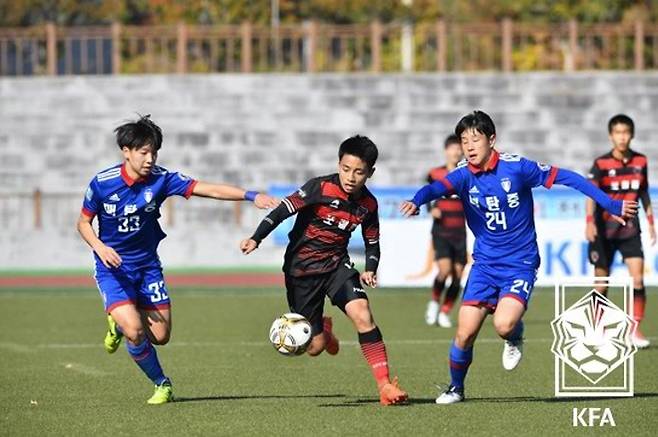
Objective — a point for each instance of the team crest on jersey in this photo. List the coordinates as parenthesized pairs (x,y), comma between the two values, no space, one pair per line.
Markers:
(110,208)
(506,183)
(148,195)
(89,194)
(335,203)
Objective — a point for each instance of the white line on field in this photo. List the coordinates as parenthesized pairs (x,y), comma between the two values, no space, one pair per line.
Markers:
(84,369)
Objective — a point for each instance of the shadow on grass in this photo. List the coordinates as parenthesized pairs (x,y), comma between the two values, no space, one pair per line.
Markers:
(508,399)
(251,397)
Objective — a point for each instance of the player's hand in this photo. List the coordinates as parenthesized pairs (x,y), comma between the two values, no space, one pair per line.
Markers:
(628,210)
(248,245)
(590,232)
(652,235)
(263,201)
(369,278)
(109,257)
(436,213)
(408,208)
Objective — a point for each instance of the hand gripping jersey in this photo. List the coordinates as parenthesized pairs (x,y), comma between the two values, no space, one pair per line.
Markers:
(326,218)
(128,210)
(621,180)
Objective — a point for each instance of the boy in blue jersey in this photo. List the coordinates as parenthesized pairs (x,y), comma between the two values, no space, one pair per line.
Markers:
(126,198)
(495,189)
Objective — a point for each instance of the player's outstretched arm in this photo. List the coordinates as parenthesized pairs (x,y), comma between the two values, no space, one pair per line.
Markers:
(426,194)
(107,255)
(620,210)
(229,192)
(269,223)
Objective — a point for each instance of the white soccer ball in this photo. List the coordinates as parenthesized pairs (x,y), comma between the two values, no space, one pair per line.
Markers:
(290,334)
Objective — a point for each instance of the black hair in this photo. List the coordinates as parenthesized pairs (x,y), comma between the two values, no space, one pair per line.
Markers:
(361,147)
(477,120)
(451,139)
(139,133)
(621,119)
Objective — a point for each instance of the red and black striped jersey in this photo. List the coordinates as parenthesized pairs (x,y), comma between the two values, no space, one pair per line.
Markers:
(326,218)
(622,180)
(452,223)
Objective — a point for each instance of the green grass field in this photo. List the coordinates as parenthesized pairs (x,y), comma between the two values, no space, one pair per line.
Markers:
(56,378)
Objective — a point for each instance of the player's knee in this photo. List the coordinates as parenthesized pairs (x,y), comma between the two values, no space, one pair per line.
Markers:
(134,333)
(464,339)
(504,327)
(442,276)
(638,282)
(161,338)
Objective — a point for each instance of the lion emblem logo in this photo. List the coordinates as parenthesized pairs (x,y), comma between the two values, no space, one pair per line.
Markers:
(593,336)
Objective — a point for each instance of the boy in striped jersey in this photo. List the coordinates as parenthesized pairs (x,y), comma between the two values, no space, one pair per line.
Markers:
(622,174)
(448,240)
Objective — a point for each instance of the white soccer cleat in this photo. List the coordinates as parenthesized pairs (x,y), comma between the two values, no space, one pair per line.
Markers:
(450,396)
(640,341)
(512,354)
(432,312)
(444,321)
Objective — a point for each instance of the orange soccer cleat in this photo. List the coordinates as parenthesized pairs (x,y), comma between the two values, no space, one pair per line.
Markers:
(333,345)
(392,394)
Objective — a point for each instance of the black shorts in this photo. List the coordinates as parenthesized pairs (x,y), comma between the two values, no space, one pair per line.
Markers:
(602,250)
(453,248)
(306,293)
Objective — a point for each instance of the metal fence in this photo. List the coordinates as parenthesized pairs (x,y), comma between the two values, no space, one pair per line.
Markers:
(317,47)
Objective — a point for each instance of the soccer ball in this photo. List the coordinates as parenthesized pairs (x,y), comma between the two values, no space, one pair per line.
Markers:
(290,334)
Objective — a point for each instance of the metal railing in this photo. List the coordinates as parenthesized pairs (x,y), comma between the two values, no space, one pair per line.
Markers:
(317,47)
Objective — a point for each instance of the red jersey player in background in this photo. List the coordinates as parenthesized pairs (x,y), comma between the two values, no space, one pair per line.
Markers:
(448,240)
(622,174)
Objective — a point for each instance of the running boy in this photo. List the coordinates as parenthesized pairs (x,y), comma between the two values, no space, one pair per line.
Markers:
(495,189)
(126,198)
(317,263)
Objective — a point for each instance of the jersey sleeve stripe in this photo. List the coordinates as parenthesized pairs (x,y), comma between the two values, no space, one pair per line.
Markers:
(190,189)
(551,177)
(289,205)
(88,213)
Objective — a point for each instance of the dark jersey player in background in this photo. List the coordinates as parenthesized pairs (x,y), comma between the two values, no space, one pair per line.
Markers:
(329,209)
(622,174)
(448,240)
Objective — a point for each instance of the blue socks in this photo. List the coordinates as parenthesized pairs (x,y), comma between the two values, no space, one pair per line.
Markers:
(517,333)
(147,359)
(460,359)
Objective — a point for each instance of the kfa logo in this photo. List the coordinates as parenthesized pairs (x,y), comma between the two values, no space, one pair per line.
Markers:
(592,417)
(506,183)
(592,341)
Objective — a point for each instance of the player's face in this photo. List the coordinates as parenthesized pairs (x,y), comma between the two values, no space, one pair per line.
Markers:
(477,147)
(453,153)
(621,136)
(353,173)
(141,160)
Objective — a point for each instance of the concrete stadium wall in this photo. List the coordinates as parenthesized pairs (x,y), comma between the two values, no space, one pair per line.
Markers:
(255,130)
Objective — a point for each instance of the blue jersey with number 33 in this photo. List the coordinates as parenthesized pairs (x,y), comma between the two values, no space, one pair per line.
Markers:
(128,210)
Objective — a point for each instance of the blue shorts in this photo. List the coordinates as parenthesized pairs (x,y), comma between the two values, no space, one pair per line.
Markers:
(143,287)
(487,284)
